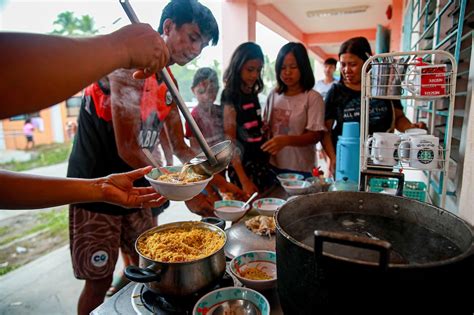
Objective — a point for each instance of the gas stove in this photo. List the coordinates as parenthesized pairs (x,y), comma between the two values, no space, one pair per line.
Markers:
(147,302)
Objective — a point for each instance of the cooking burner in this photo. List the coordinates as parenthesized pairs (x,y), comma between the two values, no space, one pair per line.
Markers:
(145,301)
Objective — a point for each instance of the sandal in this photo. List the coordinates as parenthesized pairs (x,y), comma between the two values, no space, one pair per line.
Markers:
(117,283)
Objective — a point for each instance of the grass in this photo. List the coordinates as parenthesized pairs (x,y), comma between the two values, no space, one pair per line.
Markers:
(7,269)
(4,230)
(46,155)
(55,222)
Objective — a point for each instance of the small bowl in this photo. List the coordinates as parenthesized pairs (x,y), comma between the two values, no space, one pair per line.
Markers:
(209,302)
(297,187)
(230,210)
(261,259)
(268,206)
(284,177)
(175,191)
(315,184)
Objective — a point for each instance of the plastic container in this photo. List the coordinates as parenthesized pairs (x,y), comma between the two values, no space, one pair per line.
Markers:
(411,189)
(347,152)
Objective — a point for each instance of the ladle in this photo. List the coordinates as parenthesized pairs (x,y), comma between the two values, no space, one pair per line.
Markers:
(212,163)
(239,306)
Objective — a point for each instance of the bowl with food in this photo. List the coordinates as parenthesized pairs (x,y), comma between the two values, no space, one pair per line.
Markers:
(232,300)
(284,177)
(230,210)
(268,206)
(296,187)
(169,182)
(256,269)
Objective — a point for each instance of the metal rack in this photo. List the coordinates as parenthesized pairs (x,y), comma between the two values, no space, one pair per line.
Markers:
(421,76)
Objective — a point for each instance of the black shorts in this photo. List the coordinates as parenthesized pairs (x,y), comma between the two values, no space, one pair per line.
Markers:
(157,210)
(29,138)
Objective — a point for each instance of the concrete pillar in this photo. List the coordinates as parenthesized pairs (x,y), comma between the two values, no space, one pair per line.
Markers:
(239,19)
(57,124)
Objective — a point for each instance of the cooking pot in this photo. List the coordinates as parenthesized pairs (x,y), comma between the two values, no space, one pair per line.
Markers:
(371,249)
(179,278)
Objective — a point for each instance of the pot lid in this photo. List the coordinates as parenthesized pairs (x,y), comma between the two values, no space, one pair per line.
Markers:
(240,240)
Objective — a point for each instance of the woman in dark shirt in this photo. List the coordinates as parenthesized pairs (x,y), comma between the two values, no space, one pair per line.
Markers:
(343,100)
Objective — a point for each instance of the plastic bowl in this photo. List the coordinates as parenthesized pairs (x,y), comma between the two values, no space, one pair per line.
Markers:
(284,177)
(175,191)
(268,206)
(297,187)
(229,210)
(209,302)
(261,259)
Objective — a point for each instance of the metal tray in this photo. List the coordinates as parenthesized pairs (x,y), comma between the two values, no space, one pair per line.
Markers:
(240,240)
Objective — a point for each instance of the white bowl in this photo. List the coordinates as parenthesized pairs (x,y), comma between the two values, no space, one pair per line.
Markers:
(284,177)
(175,191)
(261,259)
(230,210)
(268,206)
(211,301)
(297,187)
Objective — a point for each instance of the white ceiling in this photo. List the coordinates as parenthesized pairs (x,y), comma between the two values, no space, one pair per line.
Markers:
(296,12)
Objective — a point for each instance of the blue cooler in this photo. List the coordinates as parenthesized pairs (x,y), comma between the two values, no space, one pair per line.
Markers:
(347,152)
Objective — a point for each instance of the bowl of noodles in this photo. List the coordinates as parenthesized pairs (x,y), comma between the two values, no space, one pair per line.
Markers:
(168,182)
(256,269)
(179,258)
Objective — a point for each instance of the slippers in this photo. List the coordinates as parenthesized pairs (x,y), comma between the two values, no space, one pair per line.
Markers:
(117,283)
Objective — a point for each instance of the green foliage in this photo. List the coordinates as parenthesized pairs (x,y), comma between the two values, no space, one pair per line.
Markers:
(268,75)
(7,269)
(47,155)
(70,25)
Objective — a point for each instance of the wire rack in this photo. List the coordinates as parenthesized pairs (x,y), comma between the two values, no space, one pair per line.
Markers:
(421,76)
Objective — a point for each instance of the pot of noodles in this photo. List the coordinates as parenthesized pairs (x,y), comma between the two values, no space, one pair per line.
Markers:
(179,259)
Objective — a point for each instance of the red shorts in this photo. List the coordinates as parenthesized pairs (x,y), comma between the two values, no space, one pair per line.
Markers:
(95,239)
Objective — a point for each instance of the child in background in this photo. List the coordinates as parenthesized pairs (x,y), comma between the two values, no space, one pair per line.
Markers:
(28,130)
(208,116)
(294,113)
(242,119)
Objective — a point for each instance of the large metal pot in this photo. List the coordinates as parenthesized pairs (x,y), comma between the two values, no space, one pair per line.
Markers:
(179,278)
(371,249)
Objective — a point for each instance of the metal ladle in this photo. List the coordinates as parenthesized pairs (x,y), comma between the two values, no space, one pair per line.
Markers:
(211,160)
(238,307)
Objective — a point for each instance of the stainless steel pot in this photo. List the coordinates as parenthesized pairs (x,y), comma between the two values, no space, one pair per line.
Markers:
(179,278)
(340,252)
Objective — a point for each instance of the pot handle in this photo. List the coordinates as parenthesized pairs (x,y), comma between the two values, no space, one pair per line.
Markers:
(143,275)
(214,221)
(383,247)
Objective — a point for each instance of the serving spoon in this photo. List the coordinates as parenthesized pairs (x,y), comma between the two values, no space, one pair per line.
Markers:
(212,160)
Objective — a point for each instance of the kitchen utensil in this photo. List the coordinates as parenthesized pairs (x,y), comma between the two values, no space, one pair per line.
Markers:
(175,191)
(260,259)
(239,306)
(178,278)
(240,240)
(428,249)
(255,194)
(207,162)
(230,210)
(223,152)
(383,148)
(209,303)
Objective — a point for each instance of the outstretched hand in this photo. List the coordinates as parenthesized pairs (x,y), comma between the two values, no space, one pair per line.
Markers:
(118,189)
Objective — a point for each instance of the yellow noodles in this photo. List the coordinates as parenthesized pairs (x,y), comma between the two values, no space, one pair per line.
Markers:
(253,273)
(190,177)
(180,244)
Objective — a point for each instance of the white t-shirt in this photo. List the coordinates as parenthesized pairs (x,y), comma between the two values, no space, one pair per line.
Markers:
(322,87)
(292,115)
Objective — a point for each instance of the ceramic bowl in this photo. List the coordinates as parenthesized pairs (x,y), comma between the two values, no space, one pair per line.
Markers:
(209,302)
(263,260)
(175,191)
(229,210)
(297,187)
(284,177)
(268,206)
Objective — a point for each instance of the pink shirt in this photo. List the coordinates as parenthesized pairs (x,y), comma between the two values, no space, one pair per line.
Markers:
(28,129)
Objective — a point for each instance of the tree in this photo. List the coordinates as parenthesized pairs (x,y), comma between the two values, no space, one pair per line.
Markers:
(70,25)
(268,75)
